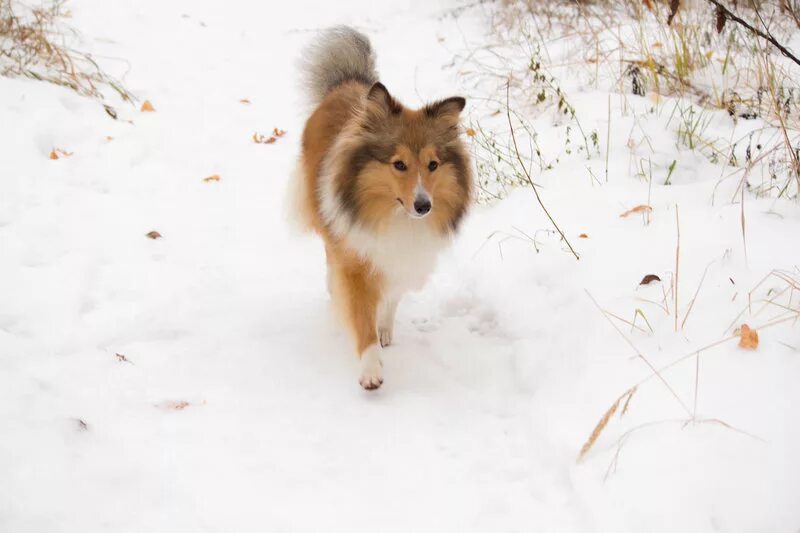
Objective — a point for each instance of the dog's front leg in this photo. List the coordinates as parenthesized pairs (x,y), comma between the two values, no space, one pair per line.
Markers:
(359,290)
(386,312)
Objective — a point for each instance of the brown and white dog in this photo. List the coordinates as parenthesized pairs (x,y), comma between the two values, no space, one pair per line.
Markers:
(383,185)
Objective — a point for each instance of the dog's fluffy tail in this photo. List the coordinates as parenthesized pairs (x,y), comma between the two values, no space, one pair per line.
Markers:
(340,54)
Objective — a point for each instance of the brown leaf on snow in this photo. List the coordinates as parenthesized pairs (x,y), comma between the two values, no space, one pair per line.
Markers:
(648,4)
(583,236)
(179,405)
(263,139)
(244,101)
(122,359)
(470,132)
(153,234)
(147,107)
(209,179)
(748,338)
(637,209)
(57,153)
(109,138)
(277,132)
(648,279)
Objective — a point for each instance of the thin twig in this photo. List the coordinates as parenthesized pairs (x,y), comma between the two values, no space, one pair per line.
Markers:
(696,384)
(677,263)
(694,299)
(528,176)
(766,36)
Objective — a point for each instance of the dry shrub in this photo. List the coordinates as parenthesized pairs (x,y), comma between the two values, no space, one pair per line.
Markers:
(35,43)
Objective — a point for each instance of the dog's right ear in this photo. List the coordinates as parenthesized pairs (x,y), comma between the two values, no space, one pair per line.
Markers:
(380,98)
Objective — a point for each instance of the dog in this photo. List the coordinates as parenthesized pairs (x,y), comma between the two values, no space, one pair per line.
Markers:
(385,187)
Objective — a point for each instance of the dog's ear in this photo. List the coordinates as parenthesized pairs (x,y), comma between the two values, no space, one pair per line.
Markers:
(449,107)
(381,100)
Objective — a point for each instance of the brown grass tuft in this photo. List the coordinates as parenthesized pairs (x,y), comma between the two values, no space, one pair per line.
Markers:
(34,43)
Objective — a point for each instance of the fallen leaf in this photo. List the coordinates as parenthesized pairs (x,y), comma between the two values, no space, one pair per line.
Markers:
(277,132)
(153,235)
(122,359)
(748,338)
(648,279)
(648,4)
(109,138)
(244,101)
(470,132)
(637,209)
(57,153)
(583,236)
(147,107)
(209,179)
(176,405)
(263,139)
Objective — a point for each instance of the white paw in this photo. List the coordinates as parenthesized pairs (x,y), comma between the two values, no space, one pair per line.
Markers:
(385,335)
(371,369)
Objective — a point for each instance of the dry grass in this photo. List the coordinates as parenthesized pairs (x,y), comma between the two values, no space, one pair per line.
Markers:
(35,43)
(628,47)
(776,292)
(598,429)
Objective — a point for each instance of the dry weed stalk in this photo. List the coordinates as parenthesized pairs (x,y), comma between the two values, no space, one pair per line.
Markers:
(34,44)
(601,425)
(528,176)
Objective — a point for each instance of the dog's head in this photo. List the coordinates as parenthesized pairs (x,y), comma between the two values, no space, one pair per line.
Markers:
(407,161)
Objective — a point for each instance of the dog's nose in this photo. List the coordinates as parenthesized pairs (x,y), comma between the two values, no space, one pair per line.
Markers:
(422,205)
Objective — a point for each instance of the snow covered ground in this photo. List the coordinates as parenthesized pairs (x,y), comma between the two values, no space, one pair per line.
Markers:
(237,406)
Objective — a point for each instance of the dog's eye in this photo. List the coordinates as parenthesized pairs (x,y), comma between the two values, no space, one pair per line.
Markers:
(399,165)
(433,165)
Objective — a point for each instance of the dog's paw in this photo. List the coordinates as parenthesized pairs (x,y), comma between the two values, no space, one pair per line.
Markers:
(371,369)
(385,335)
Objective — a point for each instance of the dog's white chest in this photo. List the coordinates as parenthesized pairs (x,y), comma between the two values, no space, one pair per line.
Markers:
(405,252)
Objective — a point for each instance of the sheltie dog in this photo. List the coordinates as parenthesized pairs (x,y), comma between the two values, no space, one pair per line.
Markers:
(386,187)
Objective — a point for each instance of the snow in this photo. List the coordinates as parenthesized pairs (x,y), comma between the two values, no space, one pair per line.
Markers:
(501,366)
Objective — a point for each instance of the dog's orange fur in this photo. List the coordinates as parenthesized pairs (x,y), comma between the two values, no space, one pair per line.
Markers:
(354,115)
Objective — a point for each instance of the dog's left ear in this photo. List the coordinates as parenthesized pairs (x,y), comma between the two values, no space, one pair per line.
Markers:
(448,107)
(380,98)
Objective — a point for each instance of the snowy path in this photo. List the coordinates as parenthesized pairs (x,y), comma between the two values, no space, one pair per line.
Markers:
(501,367)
